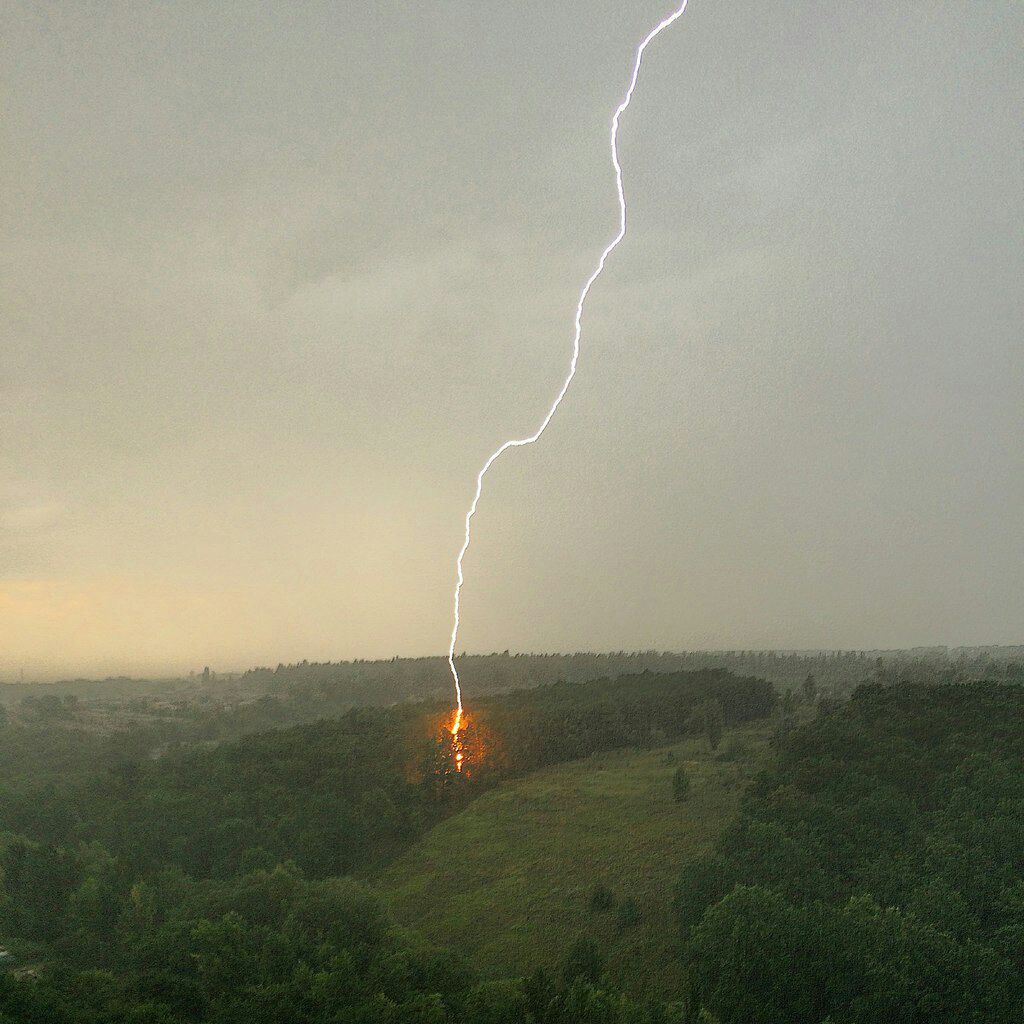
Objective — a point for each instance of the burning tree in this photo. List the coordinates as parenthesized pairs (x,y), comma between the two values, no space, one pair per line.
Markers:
(449,759)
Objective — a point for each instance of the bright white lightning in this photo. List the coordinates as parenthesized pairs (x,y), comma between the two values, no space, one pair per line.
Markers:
(520,442)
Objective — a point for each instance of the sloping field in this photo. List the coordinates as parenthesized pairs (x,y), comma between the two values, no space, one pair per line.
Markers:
(509,881)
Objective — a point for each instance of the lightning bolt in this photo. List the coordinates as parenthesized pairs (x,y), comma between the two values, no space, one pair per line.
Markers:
(522,441)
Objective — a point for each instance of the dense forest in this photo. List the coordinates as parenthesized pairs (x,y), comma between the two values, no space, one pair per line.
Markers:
(877,872)
(210,707)
(110,856)
(333,794)
(874,873)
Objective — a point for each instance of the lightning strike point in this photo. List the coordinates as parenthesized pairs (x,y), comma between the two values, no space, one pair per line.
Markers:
(520,442)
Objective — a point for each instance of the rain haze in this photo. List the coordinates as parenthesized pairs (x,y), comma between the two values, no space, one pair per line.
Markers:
(276,280)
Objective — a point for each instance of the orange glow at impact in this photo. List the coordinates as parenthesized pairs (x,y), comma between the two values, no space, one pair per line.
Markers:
(458,721)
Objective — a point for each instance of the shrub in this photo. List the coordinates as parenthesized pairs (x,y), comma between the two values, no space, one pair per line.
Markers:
(628,914)
(602,899)
(680,785)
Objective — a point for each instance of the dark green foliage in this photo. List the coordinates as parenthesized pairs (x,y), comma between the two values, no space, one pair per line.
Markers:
(332,795)
(497,1002)
(270,946)
(536,728)
(708,718)
(276,948)
(584,961)
(602,899)
(38,880)
(541,991)
(150,882)
(627,914)
(810,689)
(756,953)
(680,785)
(213,706)
(876,872)
(322,795)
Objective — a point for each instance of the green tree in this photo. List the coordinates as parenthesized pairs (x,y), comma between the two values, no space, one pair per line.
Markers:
(680,785)
(628,914)
(710,721)
(810,688)
(788,703)
(498,1002)
(540,991)
(584,961)
(602,899)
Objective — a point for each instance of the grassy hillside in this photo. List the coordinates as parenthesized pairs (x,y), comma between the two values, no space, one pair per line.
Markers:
(509,880)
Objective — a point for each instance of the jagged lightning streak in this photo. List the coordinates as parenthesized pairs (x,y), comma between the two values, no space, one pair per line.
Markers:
(520,442)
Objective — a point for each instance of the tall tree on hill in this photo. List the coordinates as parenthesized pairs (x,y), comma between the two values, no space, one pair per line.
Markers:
(810,688)
(680,785)
(710,721)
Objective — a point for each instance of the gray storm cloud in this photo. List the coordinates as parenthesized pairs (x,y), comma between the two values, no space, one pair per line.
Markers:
(276,281)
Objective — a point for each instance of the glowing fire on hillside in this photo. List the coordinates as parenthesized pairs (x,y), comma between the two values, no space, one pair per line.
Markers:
(457,723)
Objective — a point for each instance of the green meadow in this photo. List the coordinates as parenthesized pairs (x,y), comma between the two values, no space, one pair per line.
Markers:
(510,881)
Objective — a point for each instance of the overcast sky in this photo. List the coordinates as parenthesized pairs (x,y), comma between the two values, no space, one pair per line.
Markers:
(277,278)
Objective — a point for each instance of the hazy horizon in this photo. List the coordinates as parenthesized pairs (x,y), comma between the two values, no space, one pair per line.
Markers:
(277,281)
(997,651)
